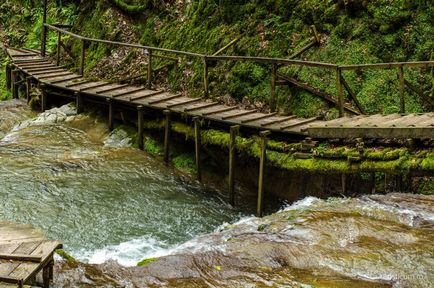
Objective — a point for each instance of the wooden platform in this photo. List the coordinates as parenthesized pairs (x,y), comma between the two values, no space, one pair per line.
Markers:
(46,72)
(24,252)
(419,126)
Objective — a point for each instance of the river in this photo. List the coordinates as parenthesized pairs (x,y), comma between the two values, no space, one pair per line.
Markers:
(65,174)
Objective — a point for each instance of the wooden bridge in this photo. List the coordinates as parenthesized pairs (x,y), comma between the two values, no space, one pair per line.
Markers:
(29,67)
(25,253)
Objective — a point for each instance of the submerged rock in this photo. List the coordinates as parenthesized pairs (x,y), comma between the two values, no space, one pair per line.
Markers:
(372,241)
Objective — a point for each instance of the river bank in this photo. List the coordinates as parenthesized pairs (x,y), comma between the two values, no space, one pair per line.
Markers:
(371,241)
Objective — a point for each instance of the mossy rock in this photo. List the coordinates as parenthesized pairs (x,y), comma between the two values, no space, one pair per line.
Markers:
(147,261)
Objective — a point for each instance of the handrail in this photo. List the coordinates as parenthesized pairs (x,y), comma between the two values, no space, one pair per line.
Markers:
(206,59)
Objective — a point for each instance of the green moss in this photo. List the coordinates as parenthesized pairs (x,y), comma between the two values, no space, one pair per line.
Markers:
(62,253)
(152,147)
(185,163)
(147,261)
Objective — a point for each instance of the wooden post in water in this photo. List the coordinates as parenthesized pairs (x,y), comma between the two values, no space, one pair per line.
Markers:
(14,76)
(344,183)
(8,77)
(401,90)
(43,97)
(232,149)
(59,41)
(28,87)
(140,125)
(82,57)
(198,142)
(149,74)
(111,119)
(79,102)
(340,90)
(260,203)
(167,134)
(273,100)
(205,77)
(44,30)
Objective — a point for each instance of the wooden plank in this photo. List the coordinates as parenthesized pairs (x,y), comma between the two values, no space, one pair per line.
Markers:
(243,113)
(130,92)
(161,100)
(187,102)
(54,75)
(51,72)
(66,80)
(79,83)
(258,118)
(95,86)
(42,69)
(147,95)
(280,120)
(20,257)
(299,123)
(218,111)
(202,106)
(112,88)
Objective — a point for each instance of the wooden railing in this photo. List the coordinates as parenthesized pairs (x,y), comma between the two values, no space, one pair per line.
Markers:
(276,64)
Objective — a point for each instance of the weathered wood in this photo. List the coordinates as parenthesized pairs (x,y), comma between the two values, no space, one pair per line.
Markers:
(280,120)
(130,92)
(226,47)
(186,102)
(149,74)
(203,106)
(111,89)
(8,77)
(232,154)
(273,100)
(218,111)
(56,71)
(28,87)
(51,75)
(99,85)
(352,95)
(146,96)
(157,101)
(66,79)
(20,257)
(239,114)
(339,87)
(302,122)
(82,56)
(59,40)
(43,97)
(205,77)
(111,116)
(419,92)
(262,163)
(258,118)
(198,143)
(78,83)
(43,69)
(167,134)
(79,102)
(401,90)
(140,126)
(13,86)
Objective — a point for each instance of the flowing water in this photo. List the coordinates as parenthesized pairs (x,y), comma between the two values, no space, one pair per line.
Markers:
(65,174)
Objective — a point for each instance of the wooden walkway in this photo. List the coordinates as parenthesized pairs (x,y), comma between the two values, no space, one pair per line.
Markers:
(45,72)
(24,253)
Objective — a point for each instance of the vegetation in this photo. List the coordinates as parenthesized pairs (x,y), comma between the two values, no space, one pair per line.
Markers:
(147,261)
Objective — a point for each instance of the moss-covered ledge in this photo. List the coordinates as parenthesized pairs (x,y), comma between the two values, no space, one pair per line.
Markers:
(341,159)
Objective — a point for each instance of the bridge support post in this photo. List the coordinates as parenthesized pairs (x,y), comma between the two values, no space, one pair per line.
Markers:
(140,126)
(232,149)
(401,90)
(149,74)
(373,188)
(205,77)
(273,87)
(110,116)
(43,97)
(28,88)
(260,203)
(198,142)
(167,134)
(79,102)
(14,80)
(8,77)
(83,56)
(344,183)
(340,90)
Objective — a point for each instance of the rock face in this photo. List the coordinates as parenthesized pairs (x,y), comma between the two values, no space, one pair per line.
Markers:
(372,241)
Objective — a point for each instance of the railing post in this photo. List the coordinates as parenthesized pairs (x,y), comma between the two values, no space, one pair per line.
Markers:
(273,87)
(198,143)
(401,90)
(260,203)
(340,90)
(44,30)
(149,76)
(83,55)
(232,149)
(167,130)
(205,77)
(59,39)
